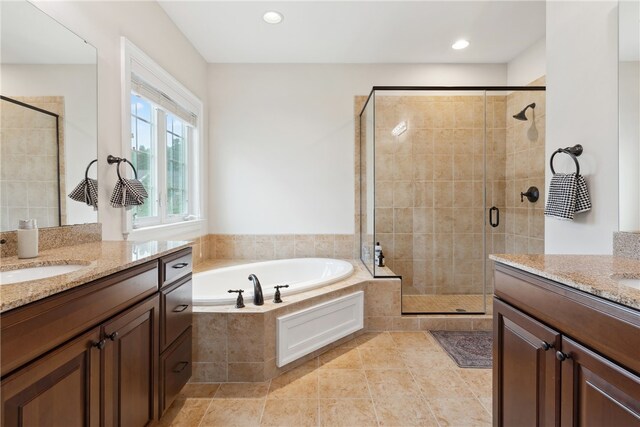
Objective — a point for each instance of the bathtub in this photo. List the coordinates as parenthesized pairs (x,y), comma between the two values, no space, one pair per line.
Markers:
(301,274)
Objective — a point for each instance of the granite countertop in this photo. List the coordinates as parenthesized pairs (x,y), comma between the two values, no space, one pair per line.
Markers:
(101,259)
(588,273)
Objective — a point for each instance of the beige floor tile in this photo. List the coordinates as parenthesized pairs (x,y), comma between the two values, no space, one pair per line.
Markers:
(381,358)
(294,413)
(392,383)
(441,383)
(375,340)
(242,390)
(299,383)
(200,390)
(347,413)
(403,411)
(479,381)
(487,403)
(233,412)
(342,384)
(184,413)
(460,412)
(408,341)
(427,359)
(341,358)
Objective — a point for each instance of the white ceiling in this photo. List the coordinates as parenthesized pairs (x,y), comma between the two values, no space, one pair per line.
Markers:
(359,31)
(29,36)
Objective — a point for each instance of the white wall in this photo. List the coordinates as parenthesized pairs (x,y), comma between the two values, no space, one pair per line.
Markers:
(80,132)
(282,140)
(582,108)
(630,146)
(529,65)
(102,23)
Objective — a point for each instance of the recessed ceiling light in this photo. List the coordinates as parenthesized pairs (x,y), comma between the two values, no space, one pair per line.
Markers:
(272,17)
(460,44)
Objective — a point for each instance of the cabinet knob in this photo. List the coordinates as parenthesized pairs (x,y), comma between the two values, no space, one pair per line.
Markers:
(113,336)
(546,346)
(562,356)
(180,367)
(100,344)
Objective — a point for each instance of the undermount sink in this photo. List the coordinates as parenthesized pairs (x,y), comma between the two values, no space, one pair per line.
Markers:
(633,282)
(35,273)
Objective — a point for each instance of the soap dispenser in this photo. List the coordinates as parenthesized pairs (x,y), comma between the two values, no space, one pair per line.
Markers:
(27,238)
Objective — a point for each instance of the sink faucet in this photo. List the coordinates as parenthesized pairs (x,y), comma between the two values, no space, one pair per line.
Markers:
(258,298)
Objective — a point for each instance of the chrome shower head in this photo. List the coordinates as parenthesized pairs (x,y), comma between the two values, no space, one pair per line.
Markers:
(521,115)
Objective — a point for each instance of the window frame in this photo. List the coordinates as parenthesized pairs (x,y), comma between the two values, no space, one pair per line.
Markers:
(134,61)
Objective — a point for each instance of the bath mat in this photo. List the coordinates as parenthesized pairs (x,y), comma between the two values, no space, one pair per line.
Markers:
(469,349)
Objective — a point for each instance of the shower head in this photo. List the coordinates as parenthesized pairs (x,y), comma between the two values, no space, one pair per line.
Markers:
(521,115)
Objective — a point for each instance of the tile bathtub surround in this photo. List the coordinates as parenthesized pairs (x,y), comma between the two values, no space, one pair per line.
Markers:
(100,258)
(626,244)
(282,246)
(411,381)
(231,345)
(53,237)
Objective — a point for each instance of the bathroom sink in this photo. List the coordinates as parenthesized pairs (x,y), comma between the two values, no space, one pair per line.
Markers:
(633,282)
(34,273)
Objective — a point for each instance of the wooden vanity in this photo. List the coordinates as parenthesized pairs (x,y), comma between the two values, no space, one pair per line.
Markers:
(562,356)
(112,352)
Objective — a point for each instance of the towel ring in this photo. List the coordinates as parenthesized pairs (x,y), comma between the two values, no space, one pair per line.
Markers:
(112,159)
(86,172)
(574,152)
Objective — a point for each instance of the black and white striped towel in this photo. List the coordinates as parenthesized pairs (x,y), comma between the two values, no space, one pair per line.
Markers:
(128,193)
(567,196)
(86,191)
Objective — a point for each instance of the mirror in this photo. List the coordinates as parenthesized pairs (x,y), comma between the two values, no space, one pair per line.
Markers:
(629,111)
(48,120)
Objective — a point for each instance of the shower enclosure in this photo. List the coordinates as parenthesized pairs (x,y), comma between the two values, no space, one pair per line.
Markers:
(442,170)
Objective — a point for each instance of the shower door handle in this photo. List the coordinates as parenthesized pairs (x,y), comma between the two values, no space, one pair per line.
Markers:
(493,223)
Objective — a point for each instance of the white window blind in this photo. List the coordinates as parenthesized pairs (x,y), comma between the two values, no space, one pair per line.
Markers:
(139,86)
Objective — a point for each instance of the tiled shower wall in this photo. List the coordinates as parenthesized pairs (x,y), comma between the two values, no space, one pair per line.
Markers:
(429,188)
(29,137)
(525,167)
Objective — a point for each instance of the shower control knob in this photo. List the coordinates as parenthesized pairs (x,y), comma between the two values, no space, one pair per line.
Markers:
(532,194)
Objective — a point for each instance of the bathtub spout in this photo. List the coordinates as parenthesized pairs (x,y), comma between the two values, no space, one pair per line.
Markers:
(258,298)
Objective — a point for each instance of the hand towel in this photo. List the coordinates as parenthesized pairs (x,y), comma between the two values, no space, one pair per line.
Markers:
(128,193)
(86,191)
(568,195)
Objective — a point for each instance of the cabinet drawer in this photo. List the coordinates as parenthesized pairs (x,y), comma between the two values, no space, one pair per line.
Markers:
(176,311)
(175,365)
(176,266)
(29,331)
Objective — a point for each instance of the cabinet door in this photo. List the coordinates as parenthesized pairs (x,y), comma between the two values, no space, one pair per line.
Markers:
(130,366)
(595,391)
(61,389)
(525,377)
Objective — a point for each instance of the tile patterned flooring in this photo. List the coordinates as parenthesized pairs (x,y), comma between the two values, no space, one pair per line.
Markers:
(445,303)
(376,379)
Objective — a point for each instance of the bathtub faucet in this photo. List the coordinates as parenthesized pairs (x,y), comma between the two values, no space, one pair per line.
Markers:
(258,298)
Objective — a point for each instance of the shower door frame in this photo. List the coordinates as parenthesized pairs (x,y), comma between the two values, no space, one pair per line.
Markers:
(371,97)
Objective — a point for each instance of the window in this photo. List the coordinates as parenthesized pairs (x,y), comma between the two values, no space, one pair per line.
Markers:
(163,144)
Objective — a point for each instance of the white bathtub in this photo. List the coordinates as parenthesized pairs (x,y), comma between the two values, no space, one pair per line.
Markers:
(301,274)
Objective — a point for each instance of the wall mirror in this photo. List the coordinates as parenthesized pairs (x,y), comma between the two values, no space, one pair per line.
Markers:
(629,111)
(48,116)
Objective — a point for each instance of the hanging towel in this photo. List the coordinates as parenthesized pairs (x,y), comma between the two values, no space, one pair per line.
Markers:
(568,195)
(128,193)
(86,191)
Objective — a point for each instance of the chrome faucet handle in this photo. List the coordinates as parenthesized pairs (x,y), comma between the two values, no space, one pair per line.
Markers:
(276,298)
(240,300)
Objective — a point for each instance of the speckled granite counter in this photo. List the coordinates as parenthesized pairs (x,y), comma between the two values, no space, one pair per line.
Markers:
(101,259)
(589,273)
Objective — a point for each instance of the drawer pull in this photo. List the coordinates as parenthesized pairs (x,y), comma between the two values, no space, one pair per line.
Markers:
(180,265)
(546,346)
(562,356)
(99,345)
(113,336)
(181,308)
(180,367)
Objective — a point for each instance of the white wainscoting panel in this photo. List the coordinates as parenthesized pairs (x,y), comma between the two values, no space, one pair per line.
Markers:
(307,330)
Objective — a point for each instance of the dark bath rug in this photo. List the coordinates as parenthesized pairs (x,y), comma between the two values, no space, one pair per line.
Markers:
(469,349)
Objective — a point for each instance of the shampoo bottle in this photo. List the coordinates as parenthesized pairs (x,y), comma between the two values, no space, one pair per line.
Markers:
(27,238)
(377,251)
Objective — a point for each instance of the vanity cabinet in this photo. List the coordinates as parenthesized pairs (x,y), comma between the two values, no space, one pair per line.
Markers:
(94,356)
(562,357)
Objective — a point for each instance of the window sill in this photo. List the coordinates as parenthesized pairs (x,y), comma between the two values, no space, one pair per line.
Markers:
(183,230)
